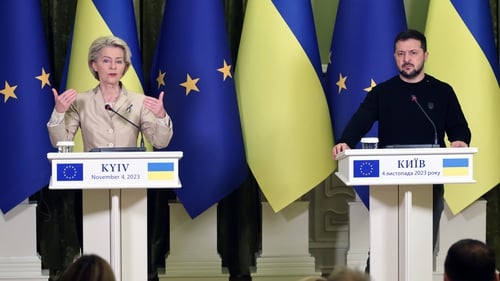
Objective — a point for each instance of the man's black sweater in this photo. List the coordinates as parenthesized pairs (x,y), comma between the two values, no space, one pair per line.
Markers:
(401,121)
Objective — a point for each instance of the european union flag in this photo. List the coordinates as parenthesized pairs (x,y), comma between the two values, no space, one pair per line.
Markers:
(366,168)
(26,104)
(193,66)
(70,172)
(361,56)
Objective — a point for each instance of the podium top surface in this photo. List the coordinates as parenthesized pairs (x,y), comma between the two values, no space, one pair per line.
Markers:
(115,155)
(406,151)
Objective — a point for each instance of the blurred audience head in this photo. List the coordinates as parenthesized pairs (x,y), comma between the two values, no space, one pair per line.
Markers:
(470,260)
(348,274)
(89,267)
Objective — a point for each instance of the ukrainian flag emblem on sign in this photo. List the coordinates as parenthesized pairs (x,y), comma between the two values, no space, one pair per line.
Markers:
(161,171)
(455,167)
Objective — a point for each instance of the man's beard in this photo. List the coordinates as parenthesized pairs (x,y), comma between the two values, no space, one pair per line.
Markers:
(412,74)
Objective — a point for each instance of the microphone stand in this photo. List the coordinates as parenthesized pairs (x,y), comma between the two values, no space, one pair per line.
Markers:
(109,108)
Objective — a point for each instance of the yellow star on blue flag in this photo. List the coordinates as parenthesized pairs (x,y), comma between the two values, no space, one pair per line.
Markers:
(209,129)
(27,102)
(361,58)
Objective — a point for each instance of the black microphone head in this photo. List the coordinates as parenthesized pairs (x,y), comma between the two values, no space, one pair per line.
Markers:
(108,106)
(413,98)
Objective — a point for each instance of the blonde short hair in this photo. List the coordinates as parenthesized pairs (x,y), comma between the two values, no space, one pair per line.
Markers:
(108,41)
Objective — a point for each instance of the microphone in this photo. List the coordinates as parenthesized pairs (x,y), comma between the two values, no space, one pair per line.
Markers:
(415,100)
(109,108)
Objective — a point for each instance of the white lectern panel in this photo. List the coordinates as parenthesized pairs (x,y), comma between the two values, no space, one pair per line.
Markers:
(114,201)
(400,183)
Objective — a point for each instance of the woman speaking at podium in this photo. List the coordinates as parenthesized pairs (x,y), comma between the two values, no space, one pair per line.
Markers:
(109,115)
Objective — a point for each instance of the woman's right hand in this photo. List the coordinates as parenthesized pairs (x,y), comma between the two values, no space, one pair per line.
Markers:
(64,100)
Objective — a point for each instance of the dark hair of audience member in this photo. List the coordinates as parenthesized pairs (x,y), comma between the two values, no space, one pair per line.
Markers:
(470,260)
(89,267)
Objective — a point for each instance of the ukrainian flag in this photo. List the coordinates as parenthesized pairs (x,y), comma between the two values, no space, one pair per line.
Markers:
(161,171)
(456,167)
(96,18)
(462,52)
(283,109)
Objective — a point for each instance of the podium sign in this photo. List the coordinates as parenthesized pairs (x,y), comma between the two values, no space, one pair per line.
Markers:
(108,170)
(401,182)
(406,166)
(114,201)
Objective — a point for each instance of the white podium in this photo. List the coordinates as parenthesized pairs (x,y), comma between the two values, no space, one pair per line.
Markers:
(114,201)
(19,260)
(400,183)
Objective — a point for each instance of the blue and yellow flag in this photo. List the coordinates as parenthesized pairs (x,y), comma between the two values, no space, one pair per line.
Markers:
(96,18)
(286,126)
(462,52)
(26,104)
(193,66)
(160,171)
(361,56)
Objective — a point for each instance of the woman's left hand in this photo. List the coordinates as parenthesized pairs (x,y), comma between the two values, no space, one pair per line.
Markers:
(155,105)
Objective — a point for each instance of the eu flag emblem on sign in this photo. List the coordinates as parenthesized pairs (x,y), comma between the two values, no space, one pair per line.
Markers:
(70,172)
(366,168)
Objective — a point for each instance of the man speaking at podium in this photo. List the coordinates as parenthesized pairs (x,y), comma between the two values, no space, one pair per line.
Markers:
(109,115)
(413,109)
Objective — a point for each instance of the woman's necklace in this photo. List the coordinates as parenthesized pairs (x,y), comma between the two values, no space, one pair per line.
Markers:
(112,94)
(111,99)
